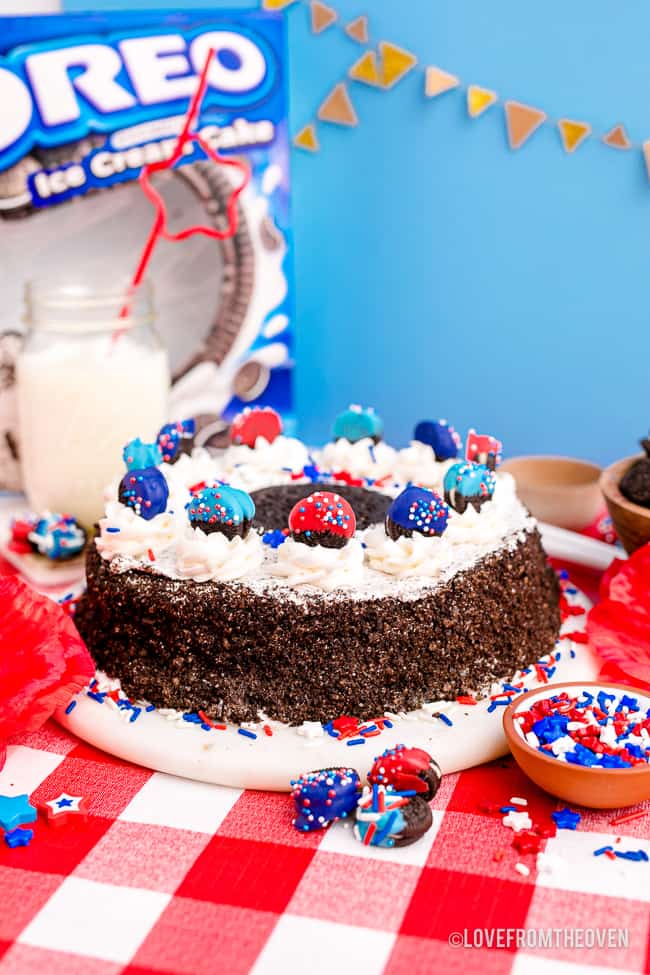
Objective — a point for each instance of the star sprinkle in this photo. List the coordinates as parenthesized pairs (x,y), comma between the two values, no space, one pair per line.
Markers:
(64,808)
(19,837)
(566,818)
(517,821)
(16,810)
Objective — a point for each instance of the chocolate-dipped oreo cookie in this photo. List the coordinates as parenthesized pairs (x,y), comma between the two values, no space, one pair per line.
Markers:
(419,510)
(324,796)
(57,537)
(323,518)
(388,818)
(357,423)
(635,483)
(440,436)
(407,769)
(221,508)
(176,439)
(253,423)
(145,490)
(138,455)
(468,483)
(481,448)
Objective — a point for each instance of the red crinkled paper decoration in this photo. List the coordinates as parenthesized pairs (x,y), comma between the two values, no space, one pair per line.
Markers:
(43,660)
(619,626)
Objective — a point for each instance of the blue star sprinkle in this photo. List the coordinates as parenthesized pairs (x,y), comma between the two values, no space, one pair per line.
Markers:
(566,818)
(19,837)
(16,810)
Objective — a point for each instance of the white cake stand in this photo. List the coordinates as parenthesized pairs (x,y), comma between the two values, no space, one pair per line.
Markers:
(465,736)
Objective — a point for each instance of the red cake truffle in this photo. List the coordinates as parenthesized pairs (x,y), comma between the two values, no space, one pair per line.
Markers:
(251,423)
(324,518)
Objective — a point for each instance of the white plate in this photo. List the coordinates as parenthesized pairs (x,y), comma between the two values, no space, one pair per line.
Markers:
(168,743)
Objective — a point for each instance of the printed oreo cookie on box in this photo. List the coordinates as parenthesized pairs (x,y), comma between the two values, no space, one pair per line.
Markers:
(85,101)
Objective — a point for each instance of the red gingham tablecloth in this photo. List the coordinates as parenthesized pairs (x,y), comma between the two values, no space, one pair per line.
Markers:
(179,877)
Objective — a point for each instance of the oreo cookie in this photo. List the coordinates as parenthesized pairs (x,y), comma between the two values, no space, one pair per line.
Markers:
(407,769)
(323,797)
(388,818)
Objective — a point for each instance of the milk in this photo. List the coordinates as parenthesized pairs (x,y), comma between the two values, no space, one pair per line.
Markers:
(80,400)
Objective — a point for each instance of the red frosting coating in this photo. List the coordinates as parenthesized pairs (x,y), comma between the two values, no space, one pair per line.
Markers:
(400,767)
(323,511)
(260,421)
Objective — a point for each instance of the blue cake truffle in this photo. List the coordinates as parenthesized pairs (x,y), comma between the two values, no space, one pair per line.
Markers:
(468,483)
(440,436)
(222,508)
(145,491)
(357,423)
(324,796)
(176,439)
(416,509)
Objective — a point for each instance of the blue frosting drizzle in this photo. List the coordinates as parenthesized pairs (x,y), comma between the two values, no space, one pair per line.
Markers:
(355,423)
(221,507)
(440,436)
(419,510)
(145,491)
(138,455)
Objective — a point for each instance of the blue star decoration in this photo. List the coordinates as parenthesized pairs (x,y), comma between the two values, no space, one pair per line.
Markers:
(566,818)
(16,810)
(19,837)
(63,802)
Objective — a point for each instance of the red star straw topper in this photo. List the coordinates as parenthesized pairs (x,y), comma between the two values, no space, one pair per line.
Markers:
(159,228)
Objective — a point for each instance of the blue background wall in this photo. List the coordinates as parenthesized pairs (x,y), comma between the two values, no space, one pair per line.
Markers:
(438,273)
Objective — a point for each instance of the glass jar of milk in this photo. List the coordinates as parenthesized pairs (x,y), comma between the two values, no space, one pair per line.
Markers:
(88,382)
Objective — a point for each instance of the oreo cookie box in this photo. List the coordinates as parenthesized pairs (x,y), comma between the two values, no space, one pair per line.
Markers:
(85,101)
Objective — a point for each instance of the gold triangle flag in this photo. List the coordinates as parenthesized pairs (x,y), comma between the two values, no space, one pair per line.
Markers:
(358,29)
(617,138)
(338,108)
(521,122)
(479,99)
(366,69)
(438,81)
(572,133)
(277,4)
(322,16)
(395,63)
(307,139)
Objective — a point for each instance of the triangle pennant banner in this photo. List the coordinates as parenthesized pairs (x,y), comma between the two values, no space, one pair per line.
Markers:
(358,29)
(617,138)
(479,99)
(338,108)
(366,69)
(395,63)
(307,139)
(438,81)
(521,122)
(277,4)
(572,133)
(322,16)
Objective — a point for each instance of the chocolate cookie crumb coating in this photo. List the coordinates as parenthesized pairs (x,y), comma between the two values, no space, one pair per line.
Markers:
(232,651)
(635,483)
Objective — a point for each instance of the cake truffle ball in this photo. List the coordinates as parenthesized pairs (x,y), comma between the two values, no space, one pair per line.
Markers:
(416,509)
(139,456)
(481,448)
(388,818)
(440,436)
(357,423)
(145,491)
(176,439)
(635,483)
(222,508)
(467,483)
(324,796)
(254,422)
(57,537)
(324,518)
(407,769)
